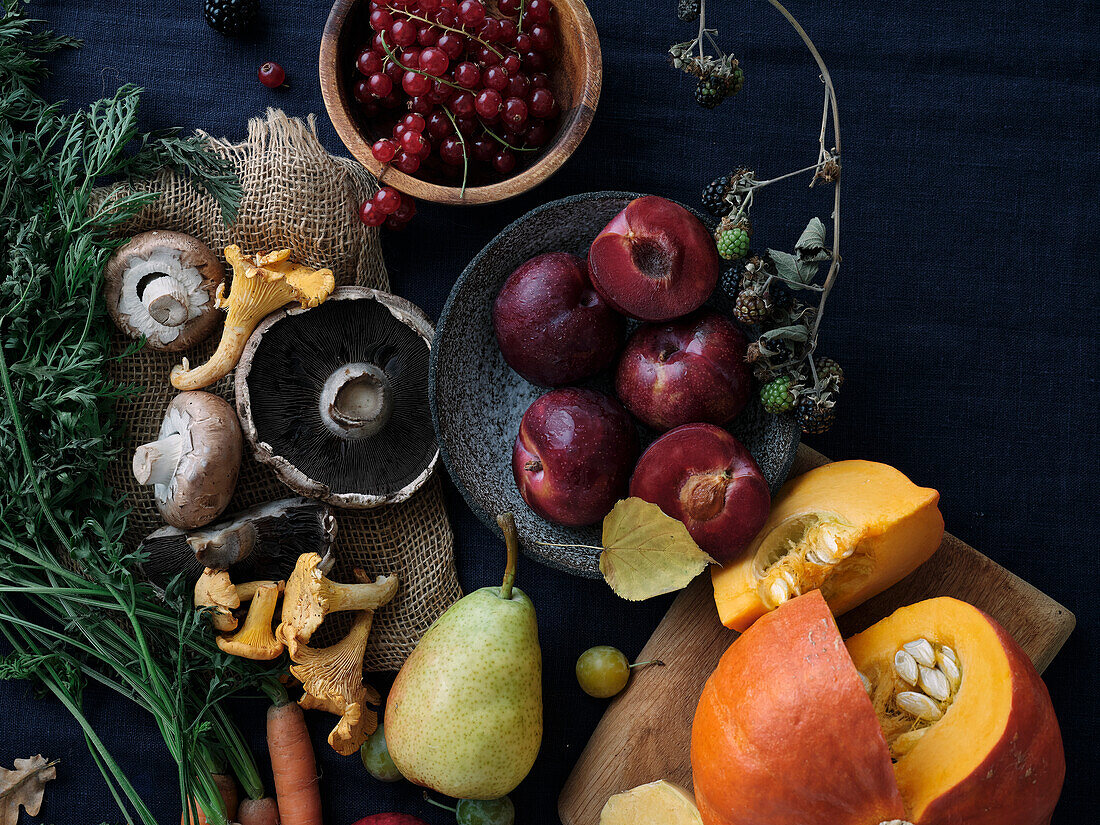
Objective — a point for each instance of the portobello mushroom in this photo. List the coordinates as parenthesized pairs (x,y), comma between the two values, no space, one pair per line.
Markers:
(335,399)
(262,542)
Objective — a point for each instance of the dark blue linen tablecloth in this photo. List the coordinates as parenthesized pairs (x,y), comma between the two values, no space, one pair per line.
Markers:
(965,315)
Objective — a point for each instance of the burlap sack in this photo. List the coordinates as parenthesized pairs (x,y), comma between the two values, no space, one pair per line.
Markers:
(296,196)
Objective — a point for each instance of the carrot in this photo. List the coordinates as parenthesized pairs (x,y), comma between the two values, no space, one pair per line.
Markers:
(297,784)
(258,812)
(227,787)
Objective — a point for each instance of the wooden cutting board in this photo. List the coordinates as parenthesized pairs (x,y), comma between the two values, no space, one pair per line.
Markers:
(645,734)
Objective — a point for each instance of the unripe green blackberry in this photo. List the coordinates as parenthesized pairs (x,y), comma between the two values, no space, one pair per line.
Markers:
(777,395)
(735,82)
(750,308)
(733,238)
(815,416)
(828,368)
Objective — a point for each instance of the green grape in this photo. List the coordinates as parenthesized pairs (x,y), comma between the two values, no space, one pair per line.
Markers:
(485,811)
(602,671)
(376,757)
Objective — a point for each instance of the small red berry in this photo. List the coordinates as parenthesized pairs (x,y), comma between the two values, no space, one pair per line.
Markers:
(537,11)
(415,84)
(452,152)
(467,74)
(406,211)
(384,150)
(370,214)
(272,75)
(386,200)
(380,84)
(414,121)
(369,62)
(434,61)
(541,102)
(488,104)
(504,161)
(515,112)
(451,44)
(471,12)
(403,32)
(406,163)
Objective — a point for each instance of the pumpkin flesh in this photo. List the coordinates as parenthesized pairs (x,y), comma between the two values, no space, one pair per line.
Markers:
(850,529)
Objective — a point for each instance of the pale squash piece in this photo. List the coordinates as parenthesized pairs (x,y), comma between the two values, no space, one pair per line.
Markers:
(657,803)
(849,529)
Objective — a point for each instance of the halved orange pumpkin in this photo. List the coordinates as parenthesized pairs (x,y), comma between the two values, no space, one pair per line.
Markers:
(788,731)
(850,529)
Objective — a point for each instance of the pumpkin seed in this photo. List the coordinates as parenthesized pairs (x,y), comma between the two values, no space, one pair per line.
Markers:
(919,705)
(921,650)
(866,682)
(934,683)
(905,742)
(950,669)
(906,667)
(947,652)
(778,591)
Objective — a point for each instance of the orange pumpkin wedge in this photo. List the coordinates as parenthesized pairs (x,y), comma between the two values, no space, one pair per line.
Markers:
(850,529)
(788,731)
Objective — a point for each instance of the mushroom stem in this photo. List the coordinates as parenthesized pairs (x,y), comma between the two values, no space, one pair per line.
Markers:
(156,462)
(223,360)
(507,523)
(356,401)
(166,301)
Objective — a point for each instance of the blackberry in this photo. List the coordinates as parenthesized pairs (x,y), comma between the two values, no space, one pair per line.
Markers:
(230,16)
(815,415)
(735,82)
(714,196)
(778,396)
(780,352)
(750,308)
(709,92)
(688,10)
(828,368)
(780,297)
(733,238)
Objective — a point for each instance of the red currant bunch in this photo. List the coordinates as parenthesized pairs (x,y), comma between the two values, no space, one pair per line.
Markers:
(463,89)
(389,207)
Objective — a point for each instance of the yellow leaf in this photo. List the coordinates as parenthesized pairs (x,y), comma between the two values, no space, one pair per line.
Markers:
(23,786)
(647,553)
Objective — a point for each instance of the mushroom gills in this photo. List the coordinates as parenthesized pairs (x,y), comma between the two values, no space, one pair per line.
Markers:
(263,542)
(339,396)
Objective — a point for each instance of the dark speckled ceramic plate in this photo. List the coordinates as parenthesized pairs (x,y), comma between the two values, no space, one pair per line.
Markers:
(478,400)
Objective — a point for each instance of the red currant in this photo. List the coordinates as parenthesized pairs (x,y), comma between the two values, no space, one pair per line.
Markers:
(441,92)
(434,61)
(378,44)
(426,35)
(489,30)
(381,20)
(509,7)
(542,38)
(467,74)
(405,212)
(496,77)
(386,200)
(415,84)
(406,163)
(399,130)
(483,149)
(370,214)
(414,121)
(393,100)
(518,86)
(361,91)
(410,57)
(523,42)
(540,80)
(272,75)
(368,62)
(452,151)
(393,70)
(462,104)
(384,150)
(504,161)
(428,6)
(511,64)
(380,84)
(515,112)
(471,12)
(541,102)
(403,32)
(508,31)
(537,11)
(445,17)
(486,56)
(466,125)
(534,61)
(537,134)
(451,44)
(488,104)
(439,125)
(422,104)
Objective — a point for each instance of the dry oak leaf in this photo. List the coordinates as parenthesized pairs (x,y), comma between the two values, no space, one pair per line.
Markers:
(646,552)
(24,786)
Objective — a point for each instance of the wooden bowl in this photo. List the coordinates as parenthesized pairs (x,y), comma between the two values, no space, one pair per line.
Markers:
(575,80)
(478,400)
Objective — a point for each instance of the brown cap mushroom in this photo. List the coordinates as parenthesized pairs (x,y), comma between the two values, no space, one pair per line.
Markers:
(193,465)
(255,640)
(332,678)
(162,285)
(311,595)
(264,541)
(335,399)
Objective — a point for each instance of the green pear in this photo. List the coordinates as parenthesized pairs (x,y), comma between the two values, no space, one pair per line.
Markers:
(464,716)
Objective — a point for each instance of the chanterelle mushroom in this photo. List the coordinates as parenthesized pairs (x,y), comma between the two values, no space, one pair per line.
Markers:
(216,590)
(310,596)
(162,285)
(255,639)
(336,399)
(261,284)
(332,678)
(261,542)
(193,465)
